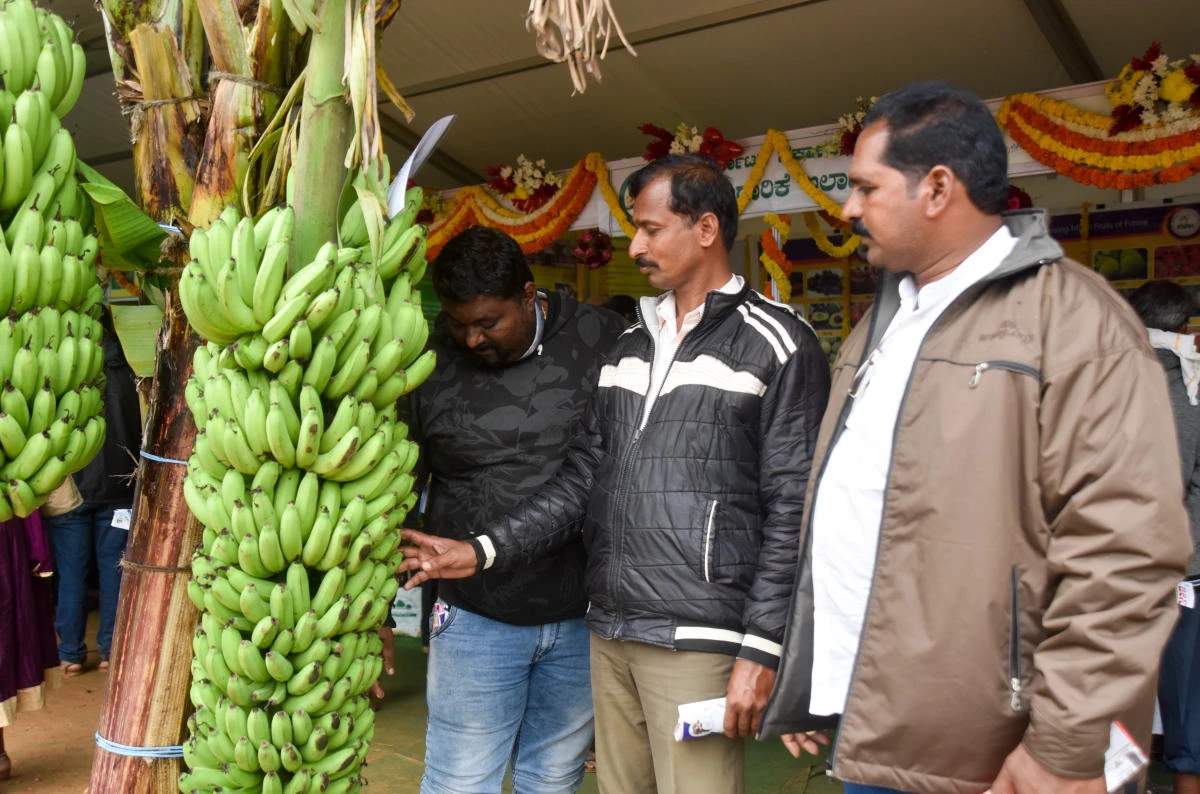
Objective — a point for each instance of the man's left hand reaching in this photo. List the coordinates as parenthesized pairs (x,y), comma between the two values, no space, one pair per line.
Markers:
(750,685)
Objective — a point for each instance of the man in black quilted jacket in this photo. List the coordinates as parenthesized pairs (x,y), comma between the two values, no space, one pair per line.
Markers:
(508,681)
(687,482)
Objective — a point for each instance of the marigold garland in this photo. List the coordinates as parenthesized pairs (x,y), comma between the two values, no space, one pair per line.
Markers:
(1111,155)
(1057,109)
(600,169)
(793,166)
(534,231)
(126,284)
(1100,177)
(772,257)
(1077,144)
(538,229)
(825,244)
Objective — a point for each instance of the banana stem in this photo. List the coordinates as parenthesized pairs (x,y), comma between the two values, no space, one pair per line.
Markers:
(325,120)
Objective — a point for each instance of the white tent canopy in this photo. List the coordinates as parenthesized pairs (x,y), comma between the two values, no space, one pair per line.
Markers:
(743,67)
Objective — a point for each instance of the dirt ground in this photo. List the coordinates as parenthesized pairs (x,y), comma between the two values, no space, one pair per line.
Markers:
(52,749)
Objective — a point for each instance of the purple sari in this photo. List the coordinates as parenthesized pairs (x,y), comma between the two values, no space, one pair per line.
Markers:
(27,643)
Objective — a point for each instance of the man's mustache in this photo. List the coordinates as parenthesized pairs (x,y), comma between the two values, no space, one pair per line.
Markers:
(644,262)
(859,228)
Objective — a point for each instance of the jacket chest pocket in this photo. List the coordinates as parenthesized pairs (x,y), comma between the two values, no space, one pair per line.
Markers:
(1000,365)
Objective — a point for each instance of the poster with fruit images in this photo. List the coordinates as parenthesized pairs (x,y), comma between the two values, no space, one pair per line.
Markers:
(1132,246)
(1128,246)
(832,294)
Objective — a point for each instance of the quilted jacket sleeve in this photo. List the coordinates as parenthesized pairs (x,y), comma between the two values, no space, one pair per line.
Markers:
(792,408)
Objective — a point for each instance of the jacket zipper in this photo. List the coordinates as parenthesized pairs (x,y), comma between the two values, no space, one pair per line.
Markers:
(971,291)
(627,467)
(883,509)
(1014,646)
(1011,366)
(708,536)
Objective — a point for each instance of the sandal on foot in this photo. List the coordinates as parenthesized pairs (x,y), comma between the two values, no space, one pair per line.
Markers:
(5,767)
(103,665)
(72,669)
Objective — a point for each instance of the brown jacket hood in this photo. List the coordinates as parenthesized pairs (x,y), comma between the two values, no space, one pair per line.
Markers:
(1033,531)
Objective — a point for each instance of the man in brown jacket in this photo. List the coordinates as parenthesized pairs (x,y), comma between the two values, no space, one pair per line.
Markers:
(993,537)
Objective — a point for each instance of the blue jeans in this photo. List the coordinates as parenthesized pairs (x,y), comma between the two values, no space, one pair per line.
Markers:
(1179,695)
(499,693)
(75,537)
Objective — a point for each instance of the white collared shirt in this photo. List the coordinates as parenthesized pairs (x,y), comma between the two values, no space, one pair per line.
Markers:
(849,500)
(668,340)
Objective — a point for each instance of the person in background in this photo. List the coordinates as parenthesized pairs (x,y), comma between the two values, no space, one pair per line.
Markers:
(27,656)
(1165,308)
(991,550)
(686,484)
(87,534)
(508,677)
(625,306)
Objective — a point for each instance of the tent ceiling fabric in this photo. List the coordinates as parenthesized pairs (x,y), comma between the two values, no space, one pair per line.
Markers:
(785,65)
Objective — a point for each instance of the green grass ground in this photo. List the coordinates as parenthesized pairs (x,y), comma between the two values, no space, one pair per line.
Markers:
(397,754)
(396,759)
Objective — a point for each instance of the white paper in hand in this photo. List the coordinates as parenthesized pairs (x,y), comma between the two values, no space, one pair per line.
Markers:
(701,718)
(1123,760)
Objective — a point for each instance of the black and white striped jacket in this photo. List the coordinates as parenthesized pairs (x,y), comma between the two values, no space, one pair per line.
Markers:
(691,520)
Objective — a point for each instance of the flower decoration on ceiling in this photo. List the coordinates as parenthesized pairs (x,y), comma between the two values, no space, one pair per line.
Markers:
(689,140)
(850,126)
(528,186)
(1153,90)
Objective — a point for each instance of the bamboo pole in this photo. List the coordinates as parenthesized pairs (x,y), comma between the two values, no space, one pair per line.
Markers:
(145,704)
(325,121)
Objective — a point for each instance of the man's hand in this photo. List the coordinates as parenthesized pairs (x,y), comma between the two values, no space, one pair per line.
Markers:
(1022,774)
(749,687)
(809,742)
(432,557)
(389,659)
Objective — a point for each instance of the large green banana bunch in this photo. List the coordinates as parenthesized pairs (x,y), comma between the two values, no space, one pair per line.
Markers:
(51,352)
(300,475)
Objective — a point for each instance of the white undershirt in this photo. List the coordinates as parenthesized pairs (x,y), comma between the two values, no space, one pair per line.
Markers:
(667,343)
(849,499)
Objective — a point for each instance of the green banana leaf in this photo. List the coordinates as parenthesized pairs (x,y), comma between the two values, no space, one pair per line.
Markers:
(129,239)
(138,328)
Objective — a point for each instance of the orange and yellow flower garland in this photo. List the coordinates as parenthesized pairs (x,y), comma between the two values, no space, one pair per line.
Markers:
(535,231)
(1076,143)
(772,257)
(825,244)
(538,229)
